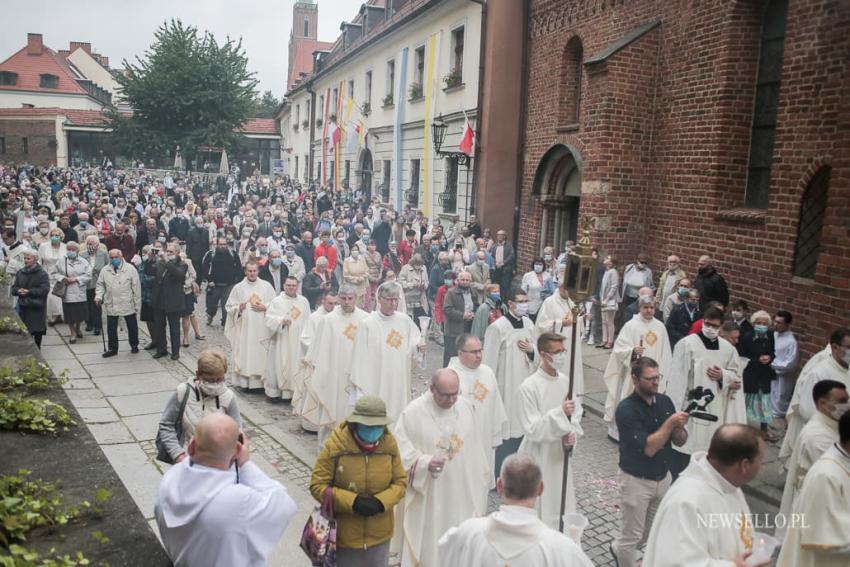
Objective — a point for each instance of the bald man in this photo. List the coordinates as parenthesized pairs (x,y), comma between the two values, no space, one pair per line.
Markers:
(217,508)
(711,285)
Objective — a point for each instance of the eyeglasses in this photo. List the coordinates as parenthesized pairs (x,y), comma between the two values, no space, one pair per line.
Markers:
(446,395)
(478,351)
(652,378)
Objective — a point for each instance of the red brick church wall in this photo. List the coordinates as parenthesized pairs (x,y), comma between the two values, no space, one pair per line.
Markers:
(664,136)
(40,135)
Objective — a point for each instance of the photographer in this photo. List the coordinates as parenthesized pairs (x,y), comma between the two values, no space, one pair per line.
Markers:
(652,423)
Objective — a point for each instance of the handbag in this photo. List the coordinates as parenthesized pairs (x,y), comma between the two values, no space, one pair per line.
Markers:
(162,453)
(60,287)
(318,539)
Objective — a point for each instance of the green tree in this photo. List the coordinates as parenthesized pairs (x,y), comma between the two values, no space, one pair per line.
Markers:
(266,105)
(187,90)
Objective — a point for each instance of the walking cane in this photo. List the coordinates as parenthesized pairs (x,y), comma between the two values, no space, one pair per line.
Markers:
(568,449)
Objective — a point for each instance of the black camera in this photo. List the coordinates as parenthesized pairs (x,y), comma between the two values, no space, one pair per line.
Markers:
(699,399)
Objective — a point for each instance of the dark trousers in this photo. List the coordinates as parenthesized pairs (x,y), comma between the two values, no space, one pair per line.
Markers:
(94,319)
(417,313)
(502,276)
(160,318)
(217,296)
(112,331)
(505,450)
(37,336)
(449,349)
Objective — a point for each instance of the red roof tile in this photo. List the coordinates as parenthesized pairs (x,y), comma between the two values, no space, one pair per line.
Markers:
(30,68)
(303,60)
(261,126)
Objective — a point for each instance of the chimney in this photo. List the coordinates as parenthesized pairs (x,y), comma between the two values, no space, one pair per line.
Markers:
(104,61)
(82,45)
(35,44)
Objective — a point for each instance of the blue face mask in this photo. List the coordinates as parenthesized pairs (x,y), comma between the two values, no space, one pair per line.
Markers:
(435,248)
(370,433)
(116,263)
(683,291)
(449,283)
(495,296)
(760,329)
(276,262)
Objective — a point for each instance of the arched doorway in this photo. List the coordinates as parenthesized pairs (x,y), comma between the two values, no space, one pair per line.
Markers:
(557,184)
(364,174)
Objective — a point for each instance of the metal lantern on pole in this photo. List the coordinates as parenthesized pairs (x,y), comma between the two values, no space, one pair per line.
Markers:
(438,133)
(580,281)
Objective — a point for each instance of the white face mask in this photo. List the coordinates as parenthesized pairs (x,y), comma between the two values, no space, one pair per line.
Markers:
(559,359)
(521,309)
(212,389)
(847,358)
(710,333)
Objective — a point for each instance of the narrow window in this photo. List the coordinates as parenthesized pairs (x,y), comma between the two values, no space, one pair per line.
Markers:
(48,81)
(347,174)
(448,199)
(26,145)
(419,69)
(457,54)
(812,212)
(351,89)
(391,80)
(368,97)
(765,104)
(386,184)
(306,27)
(295,173)
(571,82)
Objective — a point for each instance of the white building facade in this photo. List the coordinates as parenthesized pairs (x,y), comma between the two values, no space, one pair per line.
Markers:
(387,80)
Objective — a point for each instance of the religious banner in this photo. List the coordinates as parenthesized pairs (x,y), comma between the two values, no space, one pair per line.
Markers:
(325,136)
(400,89)
(432,53)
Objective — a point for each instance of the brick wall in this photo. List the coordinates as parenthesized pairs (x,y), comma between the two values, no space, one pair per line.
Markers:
(664,140)
(39,134)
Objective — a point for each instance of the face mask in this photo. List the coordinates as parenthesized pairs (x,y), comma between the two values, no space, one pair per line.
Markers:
(672,267)
(355,254)
(737,315)
(290,253)
(212,389)
(495,296)
(548,257)
(449,283)
(167,211)
(847,358)
(116,263)
(161,239)
(370,433)
(364,239)
(839,411)
(170,257)
(538,268)
(434,248)
(72,255)
(44,231)
(278,234)
(463,285)
(558,359)
(264,249)
(710,333)
(760,328)
(683,291)
(83,224)
(276,262)
(521,309)
(92,249)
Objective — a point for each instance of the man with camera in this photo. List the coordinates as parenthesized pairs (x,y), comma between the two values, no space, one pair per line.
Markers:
(653,426)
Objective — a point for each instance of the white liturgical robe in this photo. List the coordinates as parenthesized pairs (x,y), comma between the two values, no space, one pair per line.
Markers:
(550,319)
(382,364)
(510,364)
(544,423)
(480,387)
(702,520)
(819,434)
(328,361)
(822,539)
(301,396)
(691,361)
(513,536)
(653,335)
(823,366)
(247,331)
(285,320)
(432,505)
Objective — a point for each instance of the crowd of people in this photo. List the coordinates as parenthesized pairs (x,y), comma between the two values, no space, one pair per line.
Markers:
(328,300)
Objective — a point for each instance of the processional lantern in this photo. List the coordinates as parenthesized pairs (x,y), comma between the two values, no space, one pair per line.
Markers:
(581,269)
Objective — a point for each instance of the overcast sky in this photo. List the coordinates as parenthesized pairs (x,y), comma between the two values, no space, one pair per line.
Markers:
(122,29)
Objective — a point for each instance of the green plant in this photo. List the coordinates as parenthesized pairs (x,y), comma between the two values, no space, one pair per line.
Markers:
(415,91)
(295,127)
(31,374)
(38,416)
(12,325)
(453,79)
(366,109)
(388,99)
(20,556)
(319,122)
(28,504)
(305,124)
(332,118)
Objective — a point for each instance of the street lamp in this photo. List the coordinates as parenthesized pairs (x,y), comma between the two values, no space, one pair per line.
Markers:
(438,134)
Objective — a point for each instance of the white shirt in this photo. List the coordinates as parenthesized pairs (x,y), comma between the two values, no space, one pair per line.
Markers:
(206,519)
(785,361)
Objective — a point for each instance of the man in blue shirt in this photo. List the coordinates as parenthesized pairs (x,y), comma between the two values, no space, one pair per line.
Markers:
(648,423)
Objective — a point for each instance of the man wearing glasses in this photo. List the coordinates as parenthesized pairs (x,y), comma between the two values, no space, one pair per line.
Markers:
(653,425)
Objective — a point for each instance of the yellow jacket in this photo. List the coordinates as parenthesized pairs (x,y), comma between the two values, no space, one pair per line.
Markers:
(352,472)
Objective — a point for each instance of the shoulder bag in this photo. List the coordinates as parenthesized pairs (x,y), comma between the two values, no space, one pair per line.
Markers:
(161,453)
(60,287)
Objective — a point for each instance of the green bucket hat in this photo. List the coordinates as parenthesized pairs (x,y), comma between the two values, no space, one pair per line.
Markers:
(370,410)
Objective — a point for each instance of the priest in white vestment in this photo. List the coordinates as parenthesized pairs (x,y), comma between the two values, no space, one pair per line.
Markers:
(643,335)
(551,420)
(513,535)
(823,538)
(704,518)
(328,383)
(285,319)
(706,365)
(733,405)
(478,384)
(556,316)
(245,328)
(509,351)
(818,435)
(329,302)
(828,364)
(300,401)
(446,462)
(384,350)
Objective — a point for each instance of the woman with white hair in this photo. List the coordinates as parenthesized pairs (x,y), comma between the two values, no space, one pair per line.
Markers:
(75,273)
(31,288)
(759,374)
(203,394)
(49,254)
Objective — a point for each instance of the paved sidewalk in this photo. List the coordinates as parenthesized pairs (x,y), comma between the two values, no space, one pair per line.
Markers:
(121,398)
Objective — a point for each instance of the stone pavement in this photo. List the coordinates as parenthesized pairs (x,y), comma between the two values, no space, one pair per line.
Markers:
(121,399)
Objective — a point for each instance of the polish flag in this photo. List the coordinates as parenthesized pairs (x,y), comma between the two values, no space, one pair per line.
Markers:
(336,134)
(467,143)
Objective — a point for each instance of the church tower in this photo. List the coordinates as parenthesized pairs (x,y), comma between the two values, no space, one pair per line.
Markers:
(305,22)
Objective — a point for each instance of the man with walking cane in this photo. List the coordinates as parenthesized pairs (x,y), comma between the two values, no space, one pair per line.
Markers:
(119,291)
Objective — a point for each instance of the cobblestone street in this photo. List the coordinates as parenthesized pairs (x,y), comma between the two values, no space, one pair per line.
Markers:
(120,400)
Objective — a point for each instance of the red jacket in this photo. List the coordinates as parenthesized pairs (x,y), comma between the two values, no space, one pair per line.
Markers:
(696,328)
(438,304)
(329,252)
(405,251)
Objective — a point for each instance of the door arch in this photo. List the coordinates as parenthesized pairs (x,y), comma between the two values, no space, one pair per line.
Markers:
(364,174)
(557,184)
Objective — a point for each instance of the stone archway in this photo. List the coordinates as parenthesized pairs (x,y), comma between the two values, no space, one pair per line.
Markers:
(557,184)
